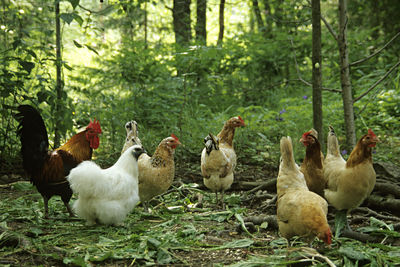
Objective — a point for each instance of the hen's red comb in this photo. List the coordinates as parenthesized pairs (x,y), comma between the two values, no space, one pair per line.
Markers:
(240,118)
(175,137)
(95,125)
(306,134)
(371,133)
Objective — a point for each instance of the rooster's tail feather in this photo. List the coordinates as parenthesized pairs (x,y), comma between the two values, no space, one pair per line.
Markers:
(34,140)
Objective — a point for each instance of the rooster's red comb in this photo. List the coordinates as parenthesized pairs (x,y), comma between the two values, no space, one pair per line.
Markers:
(175,137)
(306,134)
(95,125)
(240,118)
(371,133)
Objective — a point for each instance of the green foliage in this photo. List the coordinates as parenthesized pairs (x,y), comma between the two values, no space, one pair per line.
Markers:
(172,230)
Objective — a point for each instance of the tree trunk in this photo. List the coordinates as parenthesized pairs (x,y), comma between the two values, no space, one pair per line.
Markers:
(257,12)
(316,70)
(59,83)
(201,32)
(145,24)
(181,17)
(221,22)
(345,76)
(268,19)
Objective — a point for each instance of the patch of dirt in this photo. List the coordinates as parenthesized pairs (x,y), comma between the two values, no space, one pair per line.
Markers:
(257,203)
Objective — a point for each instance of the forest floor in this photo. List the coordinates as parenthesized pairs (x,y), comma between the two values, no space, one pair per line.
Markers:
(185,228)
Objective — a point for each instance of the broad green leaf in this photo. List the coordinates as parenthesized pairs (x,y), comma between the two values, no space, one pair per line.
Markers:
(351,253)
(74,3)
(163,256)
(102,257)
(23,186)
(67,17)
(78,18)
(26,65)
(379,223)
(241,243)
(340,222)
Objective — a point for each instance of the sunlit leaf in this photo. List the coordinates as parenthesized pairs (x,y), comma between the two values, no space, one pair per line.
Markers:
(77,44)
(67,17)
(26,65)
(74,3)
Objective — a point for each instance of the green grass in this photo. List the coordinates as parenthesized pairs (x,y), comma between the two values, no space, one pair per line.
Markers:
(174,233)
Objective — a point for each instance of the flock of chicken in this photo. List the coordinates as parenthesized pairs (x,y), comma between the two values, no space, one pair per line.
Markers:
(107,196)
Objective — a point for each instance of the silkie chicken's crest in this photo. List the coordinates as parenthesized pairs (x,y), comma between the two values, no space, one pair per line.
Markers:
(94,125)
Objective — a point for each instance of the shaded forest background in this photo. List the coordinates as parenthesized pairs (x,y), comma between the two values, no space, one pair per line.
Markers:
(167,65)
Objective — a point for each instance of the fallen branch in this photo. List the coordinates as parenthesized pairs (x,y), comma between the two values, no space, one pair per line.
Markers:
(373,213)
(388,189)
(270,185)
(360,236)
(381,203)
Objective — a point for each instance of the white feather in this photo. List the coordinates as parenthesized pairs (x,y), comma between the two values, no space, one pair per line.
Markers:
(106,195)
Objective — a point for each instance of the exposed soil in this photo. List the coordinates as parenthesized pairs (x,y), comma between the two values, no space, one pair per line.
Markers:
(258,203)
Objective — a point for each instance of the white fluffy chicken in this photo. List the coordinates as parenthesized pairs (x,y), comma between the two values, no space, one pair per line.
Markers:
(218,158)
(299,211)
(106,196)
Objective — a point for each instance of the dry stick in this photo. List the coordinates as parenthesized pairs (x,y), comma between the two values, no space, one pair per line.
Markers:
(375,214)
(330,29)
(388,188)
(304,81)
(377,52)
(360,236)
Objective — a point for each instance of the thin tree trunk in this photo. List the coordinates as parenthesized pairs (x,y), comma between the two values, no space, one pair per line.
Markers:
(345,76)
(268,20)
(221,22)
(316,70)
(145,24)
(59,83)
(181,17)
(201,32)
(257,12)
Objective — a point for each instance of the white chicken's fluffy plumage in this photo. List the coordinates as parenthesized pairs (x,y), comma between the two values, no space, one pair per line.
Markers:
(106,195)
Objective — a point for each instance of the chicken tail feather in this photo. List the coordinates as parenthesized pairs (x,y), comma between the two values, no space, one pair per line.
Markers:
(332,145)
(287,158)
(34,140)
(132,135)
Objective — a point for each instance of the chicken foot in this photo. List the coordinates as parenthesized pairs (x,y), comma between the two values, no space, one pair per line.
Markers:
(71,214)
(220,201)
